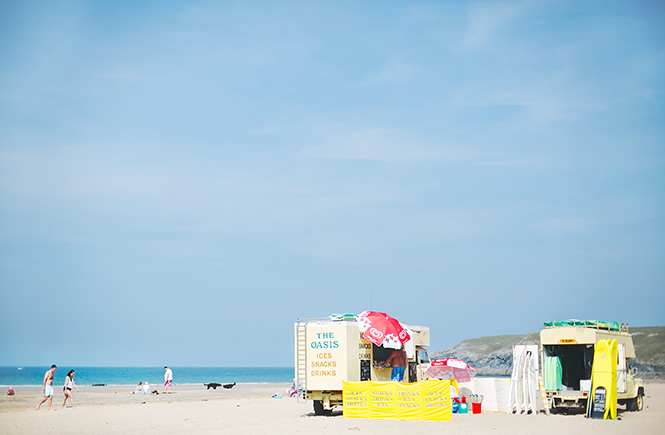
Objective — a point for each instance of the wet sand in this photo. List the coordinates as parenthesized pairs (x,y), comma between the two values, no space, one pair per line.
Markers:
(249,409)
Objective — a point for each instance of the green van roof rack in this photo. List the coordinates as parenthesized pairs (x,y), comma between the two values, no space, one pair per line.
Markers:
(593,324)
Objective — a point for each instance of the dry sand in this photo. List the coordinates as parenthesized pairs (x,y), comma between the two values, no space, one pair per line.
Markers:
(249,409)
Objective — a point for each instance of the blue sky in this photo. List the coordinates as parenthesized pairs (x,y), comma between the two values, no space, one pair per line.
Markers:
(181,180)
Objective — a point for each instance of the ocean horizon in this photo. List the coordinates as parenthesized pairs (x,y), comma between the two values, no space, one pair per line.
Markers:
(34,376)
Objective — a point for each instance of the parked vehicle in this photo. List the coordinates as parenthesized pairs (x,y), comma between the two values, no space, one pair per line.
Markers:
(329,351)
(569,346)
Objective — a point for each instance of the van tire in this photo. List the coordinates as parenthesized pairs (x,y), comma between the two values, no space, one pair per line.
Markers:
(319,410)
(636,403)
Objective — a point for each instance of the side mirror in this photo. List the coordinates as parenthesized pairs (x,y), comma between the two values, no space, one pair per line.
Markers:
(633,371)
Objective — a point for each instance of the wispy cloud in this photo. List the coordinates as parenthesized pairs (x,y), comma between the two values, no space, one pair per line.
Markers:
(393,72)
(548,97)
(378,144)
(566,225)
(265,129)
(486,19)
(498,161)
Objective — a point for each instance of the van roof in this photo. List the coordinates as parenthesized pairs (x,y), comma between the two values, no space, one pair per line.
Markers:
(567,335)
(593,324)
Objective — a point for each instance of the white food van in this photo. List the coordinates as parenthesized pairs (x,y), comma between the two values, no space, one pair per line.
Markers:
(329,351)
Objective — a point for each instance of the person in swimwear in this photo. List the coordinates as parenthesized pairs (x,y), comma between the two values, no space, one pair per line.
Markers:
(69,384)
(398,358)
(168,380)
(48,387)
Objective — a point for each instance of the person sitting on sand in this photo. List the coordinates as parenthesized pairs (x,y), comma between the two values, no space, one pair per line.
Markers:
(10,392)
(138,389)
(146,388)
(292,391)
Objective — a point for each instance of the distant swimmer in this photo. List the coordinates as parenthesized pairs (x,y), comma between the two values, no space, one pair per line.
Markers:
(47,388)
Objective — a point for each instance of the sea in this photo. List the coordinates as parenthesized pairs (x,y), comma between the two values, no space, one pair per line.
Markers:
(13,376)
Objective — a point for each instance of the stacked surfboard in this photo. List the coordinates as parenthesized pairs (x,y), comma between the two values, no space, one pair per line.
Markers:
(602,402)
(524,380)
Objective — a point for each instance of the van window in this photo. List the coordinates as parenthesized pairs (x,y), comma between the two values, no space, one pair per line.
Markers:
(423,358)
(380,355)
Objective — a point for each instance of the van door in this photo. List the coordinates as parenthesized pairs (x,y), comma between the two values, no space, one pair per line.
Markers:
(423,361)
(622,369)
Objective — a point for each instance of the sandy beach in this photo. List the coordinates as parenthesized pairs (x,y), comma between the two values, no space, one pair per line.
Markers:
(249,409)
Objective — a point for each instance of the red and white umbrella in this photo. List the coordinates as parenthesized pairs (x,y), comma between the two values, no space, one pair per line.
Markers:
(450,368)
(382,330)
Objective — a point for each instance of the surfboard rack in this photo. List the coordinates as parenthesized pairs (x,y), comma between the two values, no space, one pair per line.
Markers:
(592,324)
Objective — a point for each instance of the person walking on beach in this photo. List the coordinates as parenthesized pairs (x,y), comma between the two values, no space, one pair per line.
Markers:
(69,384)
(398,358)
(168,380)
(47,388)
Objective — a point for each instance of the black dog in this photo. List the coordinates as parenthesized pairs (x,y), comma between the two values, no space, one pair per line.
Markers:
(229,386)
(212,385)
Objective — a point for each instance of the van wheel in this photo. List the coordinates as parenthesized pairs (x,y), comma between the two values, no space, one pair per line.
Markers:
(318,409)
(636,403)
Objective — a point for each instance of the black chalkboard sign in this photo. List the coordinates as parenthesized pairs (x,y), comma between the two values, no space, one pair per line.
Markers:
(598,405)
(365,370)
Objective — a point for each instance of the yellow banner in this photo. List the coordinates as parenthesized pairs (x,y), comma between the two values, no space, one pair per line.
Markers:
(408,402)
(381,399)
(356,399)
(437,400)
(429,400)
